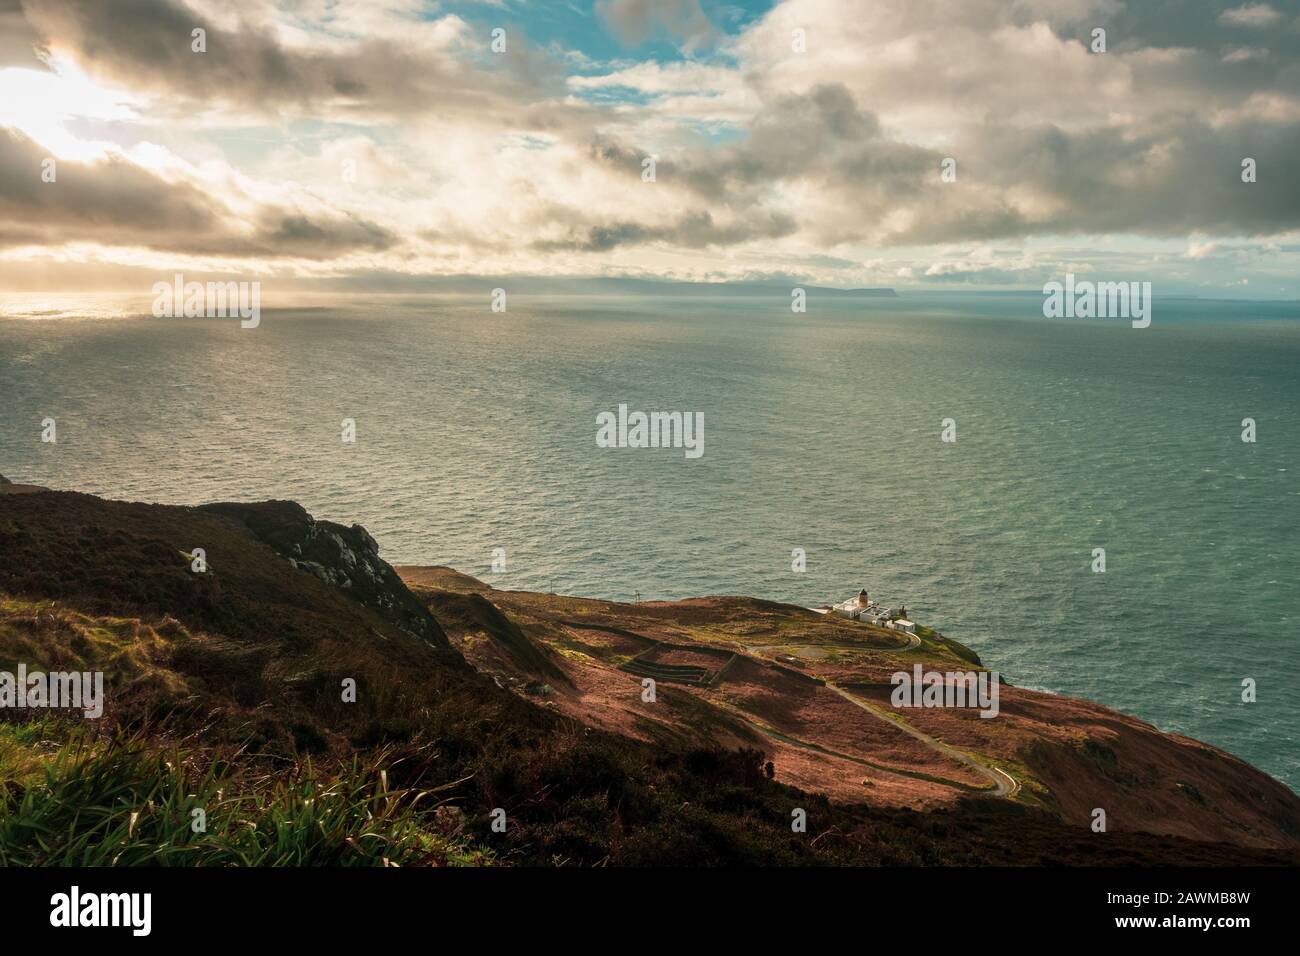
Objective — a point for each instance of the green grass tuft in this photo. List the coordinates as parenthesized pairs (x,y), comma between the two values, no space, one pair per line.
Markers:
(82,802)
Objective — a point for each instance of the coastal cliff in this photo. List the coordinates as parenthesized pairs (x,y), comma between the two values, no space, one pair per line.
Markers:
(297,663)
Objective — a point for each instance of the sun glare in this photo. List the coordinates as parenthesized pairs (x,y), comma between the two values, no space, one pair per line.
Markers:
(43,104)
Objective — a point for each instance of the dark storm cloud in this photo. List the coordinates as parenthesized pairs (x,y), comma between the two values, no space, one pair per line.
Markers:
(115,202)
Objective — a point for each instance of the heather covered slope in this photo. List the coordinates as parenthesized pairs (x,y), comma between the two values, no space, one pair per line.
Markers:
(224,690)
(813,691)
(249,630)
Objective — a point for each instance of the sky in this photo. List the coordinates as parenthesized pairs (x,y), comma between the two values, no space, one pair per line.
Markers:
(386,143)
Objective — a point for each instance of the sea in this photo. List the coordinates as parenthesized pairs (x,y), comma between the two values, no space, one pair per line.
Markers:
(823,465)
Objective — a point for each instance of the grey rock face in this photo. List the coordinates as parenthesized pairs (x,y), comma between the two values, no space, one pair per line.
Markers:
(345,558)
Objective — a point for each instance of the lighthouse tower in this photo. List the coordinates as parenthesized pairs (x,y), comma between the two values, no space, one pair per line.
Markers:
(863,600)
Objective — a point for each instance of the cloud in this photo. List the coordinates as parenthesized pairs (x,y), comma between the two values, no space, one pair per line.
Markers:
(769,160)
(828,170)
(248,66)
(1251,15)
(18,41)
(695,230)
(635,21)
(117,203)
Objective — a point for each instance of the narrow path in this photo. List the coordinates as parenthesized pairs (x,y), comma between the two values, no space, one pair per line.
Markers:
(913,642)
(818,748)
(1003,784)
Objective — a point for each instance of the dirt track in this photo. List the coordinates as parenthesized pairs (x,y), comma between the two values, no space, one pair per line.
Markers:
(1002,783)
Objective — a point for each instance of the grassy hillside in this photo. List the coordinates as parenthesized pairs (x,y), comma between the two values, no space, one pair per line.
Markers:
(226,695)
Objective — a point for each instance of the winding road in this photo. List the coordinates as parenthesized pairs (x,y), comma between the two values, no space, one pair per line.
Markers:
(1002,784)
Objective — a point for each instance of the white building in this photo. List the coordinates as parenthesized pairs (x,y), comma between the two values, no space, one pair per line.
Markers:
(902,624)
(862,608)
(854,606)
(877,615)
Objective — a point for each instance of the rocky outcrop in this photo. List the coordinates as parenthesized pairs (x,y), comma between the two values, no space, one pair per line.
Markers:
(346,558)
